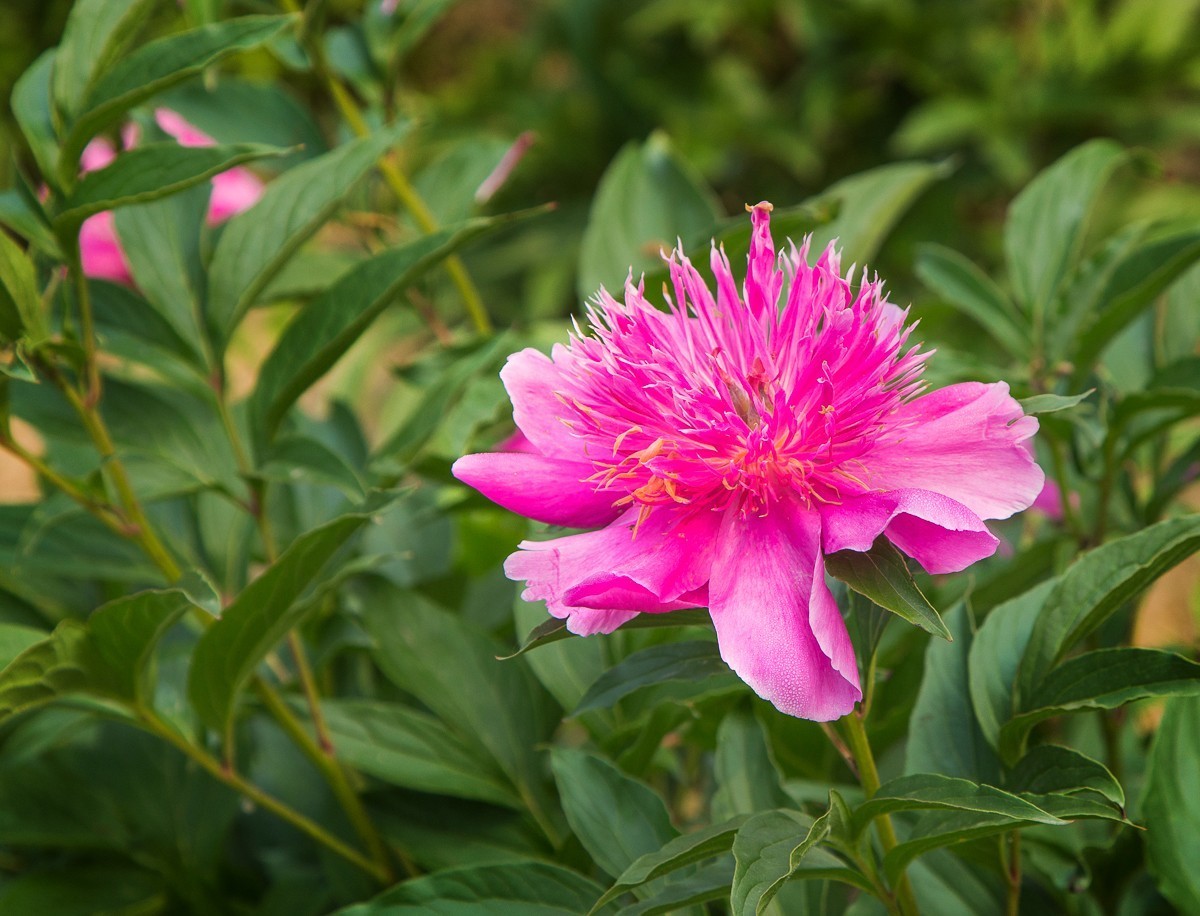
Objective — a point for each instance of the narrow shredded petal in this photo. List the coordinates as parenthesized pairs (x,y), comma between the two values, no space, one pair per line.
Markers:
(548,490)
(777,624)
(939,533)
(966,442)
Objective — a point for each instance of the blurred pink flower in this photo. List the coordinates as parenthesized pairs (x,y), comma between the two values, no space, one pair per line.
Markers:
(722,447)
(232,192)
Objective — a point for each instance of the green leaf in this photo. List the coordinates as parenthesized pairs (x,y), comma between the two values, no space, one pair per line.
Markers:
(1172,805)
(21,212)
(149,173)
(20,302)
(882,575)
(554,629)
(1132,284)
(32,109)
(676,854)
(677,661)
(125,632)
(1044,232)
(84,890)
(451,667)
(616,818)
(708,883)
(1096,586)
(943,735)
(302,458)
(161,241)
(567,669)
(1051,403)
(157,66)
(995,658)
(15,639)
(774,846)
(1101,679)
(647,198)
(958,281)
(62,664)
(256,244)
(1051,768)
(507,889)
(96,33)
(260,617)
(326,328)
(411,749)
(746,776)
(928,791)
(133,328)
(869,206)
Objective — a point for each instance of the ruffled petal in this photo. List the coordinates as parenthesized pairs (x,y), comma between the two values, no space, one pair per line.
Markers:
(664,568)
(966,442)
(939,533)
(531,379)
(777,624)
(545,489)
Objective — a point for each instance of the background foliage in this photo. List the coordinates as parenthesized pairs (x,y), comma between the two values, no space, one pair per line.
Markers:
(249,624)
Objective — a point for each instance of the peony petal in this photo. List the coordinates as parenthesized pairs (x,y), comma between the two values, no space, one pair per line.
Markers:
(777,624)
(100,250)
(232,192)
(966,442)
(939,533)
(531,378)
(545,489)
(181,129)
(664,568)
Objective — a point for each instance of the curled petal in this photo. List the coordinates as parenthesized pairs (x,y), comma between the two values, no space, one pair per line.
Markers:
(939,533)
(548,490)
(777,624)
(965,441)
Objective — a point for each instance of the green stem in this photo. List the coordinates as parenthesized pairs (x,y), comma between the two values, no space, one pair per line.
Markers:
(87,329)
(105,512)
(868,776)
(150,720)
(1013,902)
(396,179)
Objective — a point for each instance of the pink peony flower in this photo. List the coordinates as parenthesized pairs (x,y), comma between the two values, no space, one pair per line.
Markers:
(100,249)
(722,447)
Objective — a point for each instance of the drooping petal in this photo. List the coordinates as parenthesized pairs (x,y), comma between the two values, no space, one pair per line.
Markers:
(939,533)
(531,379)
(548,490)
(664,568)
(964,441)
(777,624)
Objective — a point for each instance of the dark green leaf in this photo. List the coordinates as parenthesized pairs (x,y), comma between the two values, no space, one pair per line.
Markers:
(62,664)
(926,791)
(259,617)
(746,776)
(677,853)
(1051,768)
(83,890)
(616,818)
(567,669)
(1101,679)
(23,214)
(774,846)
(511,889)
(96,33)
(1172,804)
(301,458)
(707,883)
(125,633)
(325,329)
(1096,586)
(937,829)
(31,106)
(1046,222)
(646,200)
(151,172)
(451,667)
(411,749)
(882,575)
(157,66)
(257,243)
(961,283)
(15,639)
(943,735)
(678,661)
